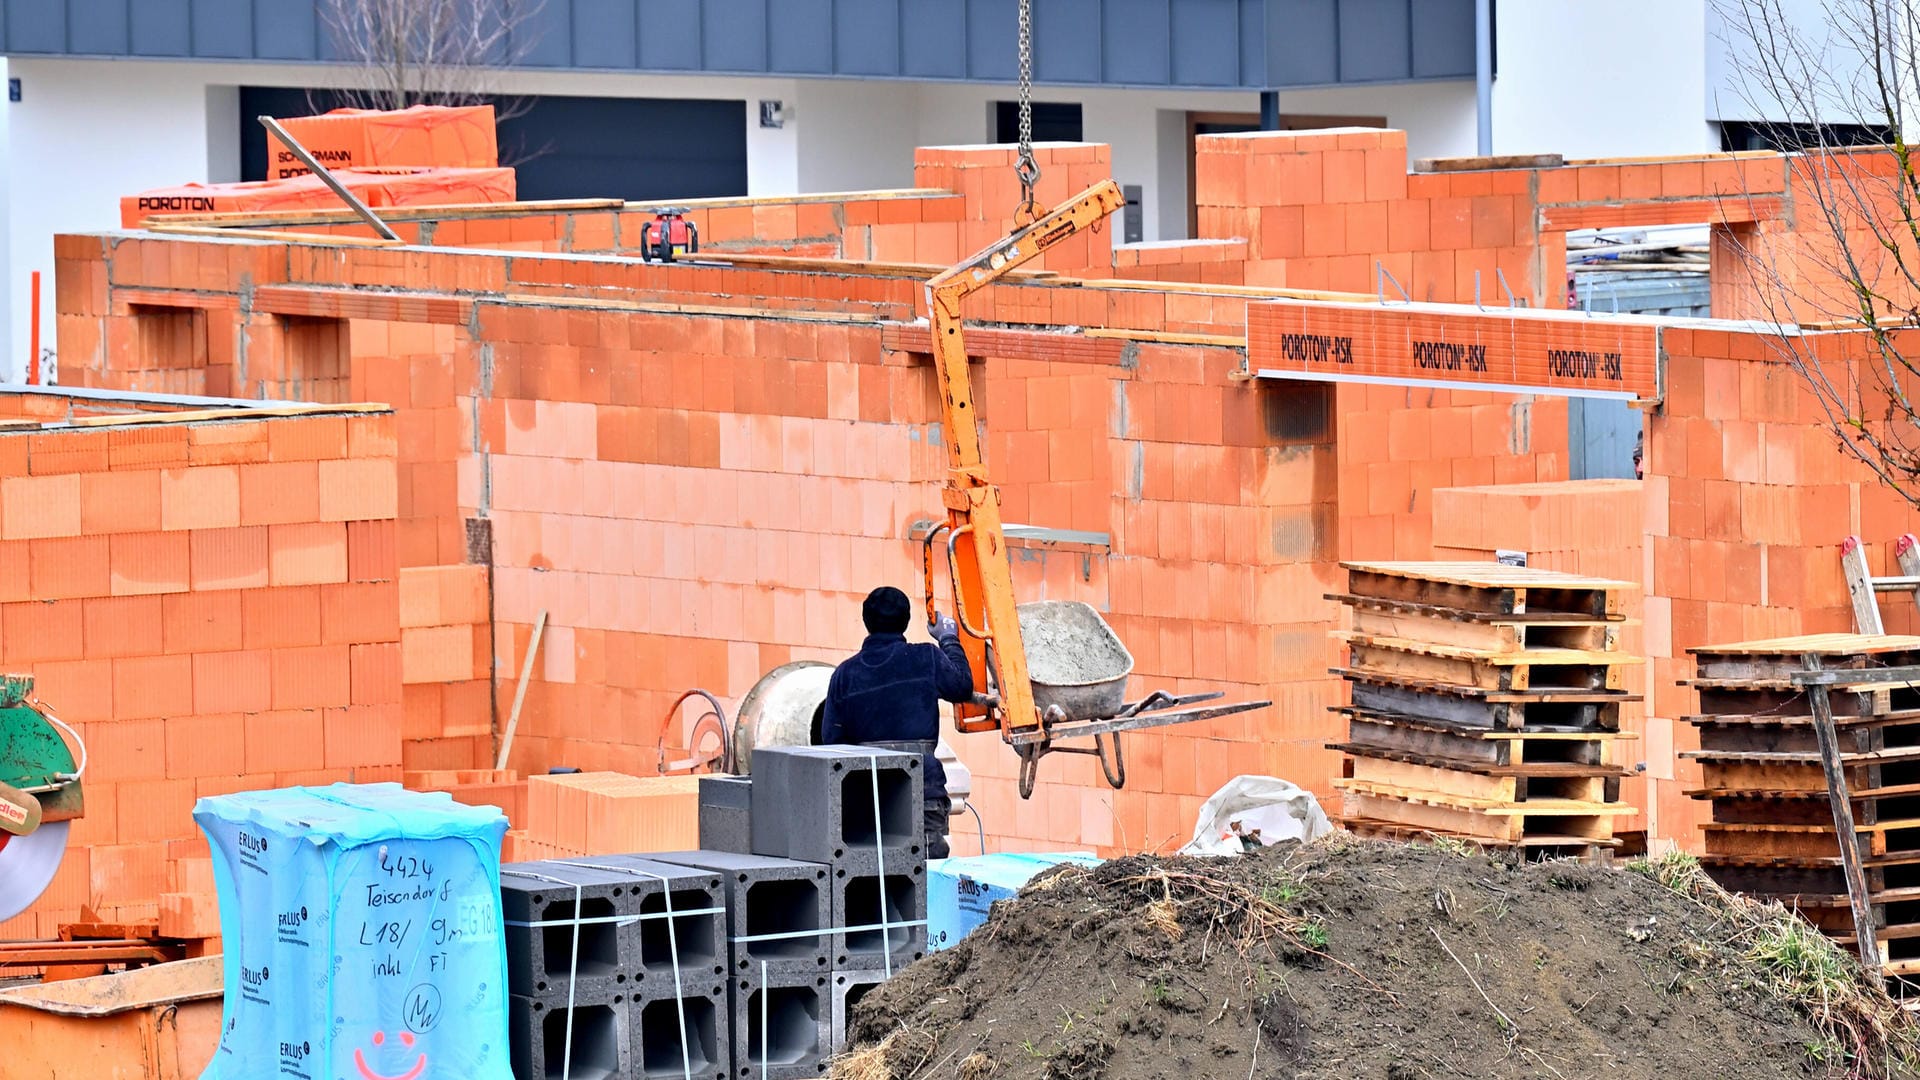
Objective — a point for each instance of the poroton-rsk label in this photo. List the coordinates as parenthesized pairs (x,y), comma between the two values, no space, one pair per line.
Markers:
(1529,351)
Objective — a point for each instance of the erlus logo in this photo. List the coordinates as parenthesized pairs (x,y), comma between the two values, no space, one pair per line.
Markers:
(253,977)
(251,843)
(291,920)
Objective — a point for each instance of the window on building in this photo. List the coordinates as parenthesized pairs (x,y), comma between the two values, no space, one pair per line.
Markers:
(1053,121)
(1740,135)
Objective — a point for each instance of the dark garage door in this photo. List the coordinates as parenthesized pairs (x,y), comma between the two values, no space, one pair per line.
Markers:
(576,147)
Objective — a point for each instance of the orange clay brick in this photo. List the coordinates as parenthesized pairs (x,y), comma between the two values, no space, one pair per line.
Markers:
(311,438)
(313,553)
(361,735)
(120,502)
(239,681)
(228,558)
(145,563)
(121,626)
(208,745)
(39,506)
(375,673)
(152,686)
(358,613)
(280,618)
(358,490)
(371,555)
(202,497)
(284,740)
(68,567)
(279,492)
(310,677)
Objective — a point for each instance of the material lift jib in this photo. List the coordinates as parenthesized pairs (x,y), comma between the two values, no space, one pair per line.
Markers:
(1035,721)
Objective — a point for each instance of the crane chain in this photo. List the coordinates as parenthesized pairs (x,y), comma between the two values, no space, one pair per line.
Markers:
(1027,169)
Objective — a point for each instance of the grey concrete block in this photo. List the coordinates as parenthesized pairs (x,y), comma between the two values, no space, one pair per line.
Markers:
(818,804)
(862,903)
(726,804)
(541,959)
(682,924)
(768,896)
(678,1037)
(848,988)
(781,1026)
(597,1045)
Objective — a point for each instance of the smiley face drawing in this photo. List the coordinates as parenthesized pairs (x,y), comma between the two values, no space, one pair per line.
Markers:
(379,1039)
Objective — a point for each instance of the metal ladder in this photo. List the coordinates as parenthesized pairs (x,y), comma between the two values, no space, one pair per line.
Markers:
(1864,590)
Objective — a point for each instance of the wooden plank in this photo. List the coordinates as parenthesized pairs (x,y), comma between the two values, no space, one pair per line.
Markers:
(1438,611)
(1541,657)
(1423,816)
(1553,694)
(1250,292)
(1487,575)
(1474,711)
(317,239)
(1497,161)
(1487,635)
(1825,645)
(1160,337)
(1428,742)
(196,416)
(1398,658)
(1490,807)
(1723,839)
(651,307)
(1580,846)
(1425,778)
(1457,585)
(1898,754)
(1540,770)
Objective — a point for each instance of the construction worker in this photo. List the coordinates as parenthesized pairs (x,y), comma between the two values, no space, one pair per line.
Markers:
(888,696)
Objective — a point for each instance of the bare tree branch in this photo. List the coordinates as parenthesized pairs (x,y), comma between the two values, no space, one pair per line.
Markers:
(1851,255)
(433,52)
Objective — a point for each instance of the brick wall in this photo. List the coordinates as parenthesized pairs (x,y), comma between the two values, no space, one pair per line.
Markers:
(696,471)
(213,605)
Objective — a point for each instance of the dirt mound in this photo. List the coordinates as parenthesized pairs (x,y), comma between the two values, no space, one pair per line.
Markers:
(1358,960)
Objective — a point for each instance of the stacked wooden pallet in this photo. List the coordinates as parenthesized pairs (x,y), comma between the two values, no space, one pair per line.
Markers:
(1772,833)
(1486,705)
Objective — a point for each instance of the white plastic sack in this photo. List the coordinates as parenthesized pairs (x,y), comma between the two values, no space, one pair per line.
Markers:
(1262,809)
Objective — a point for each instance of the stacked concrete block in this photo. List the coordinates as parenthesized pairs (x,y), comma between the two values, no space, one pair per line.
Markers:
(617,967)
(858,811)
(781,1025)
(848,988)
(725,805)
(771,905)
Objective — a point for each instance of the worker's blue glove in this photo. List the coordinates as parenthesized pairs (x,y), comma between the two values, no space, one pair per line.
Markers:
(944,628)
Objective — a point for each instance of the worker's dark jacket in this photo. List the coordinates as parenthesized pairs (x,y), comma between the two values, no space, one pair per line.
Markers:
(890,691)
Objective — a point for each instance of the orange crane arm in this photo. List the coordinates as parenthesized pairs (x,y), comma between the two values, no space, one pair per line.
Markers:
(976,540)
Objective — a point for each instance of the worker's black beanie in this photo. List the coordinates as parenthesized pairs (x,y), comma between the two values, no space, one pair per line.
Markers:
(887,611)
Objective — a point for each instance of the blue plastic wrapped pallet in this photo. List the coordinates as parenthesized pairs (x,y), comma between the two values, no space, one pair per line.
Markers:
(961,891)
(362,932)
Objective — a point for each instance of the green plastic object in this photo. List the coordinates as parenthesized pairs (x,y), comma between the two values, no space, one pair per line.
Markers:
(33,756)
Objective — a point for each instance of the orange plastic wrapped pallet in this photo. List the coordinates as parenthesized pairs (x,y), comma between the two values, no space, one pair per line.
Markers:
(375,187)
(423,136)
(436,187)
(300,193)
